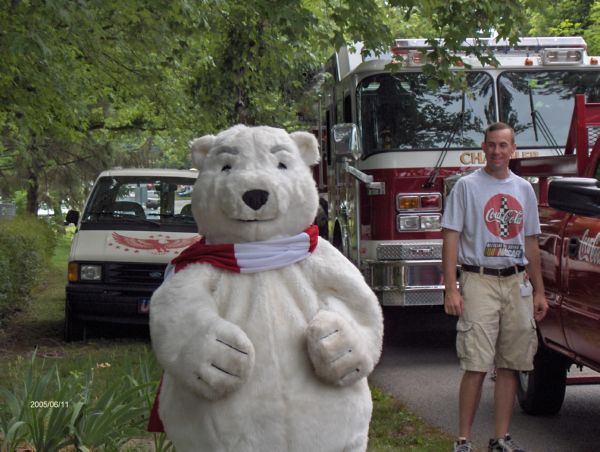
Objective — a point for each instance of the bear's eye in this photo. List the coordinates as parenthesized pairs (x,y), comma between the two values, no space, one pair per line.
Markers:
(226,168)
(281,166)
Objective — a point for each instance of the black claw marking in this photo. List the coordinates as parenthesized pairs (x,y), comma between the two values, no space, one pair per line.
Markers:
(225,372)
(231,346)
(330,334)
(198,377)
(342,355)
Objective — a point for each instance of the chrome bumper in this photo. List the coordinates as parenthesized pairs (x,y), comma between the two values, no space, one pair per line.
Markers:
(406,282)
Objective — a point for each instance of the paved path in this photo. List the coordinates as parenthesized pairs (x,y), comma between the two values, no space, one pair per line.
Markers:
(421,370)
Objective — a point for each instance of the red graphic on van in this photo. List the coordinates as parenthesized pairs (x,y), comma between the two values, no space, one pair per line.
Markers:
(158,243)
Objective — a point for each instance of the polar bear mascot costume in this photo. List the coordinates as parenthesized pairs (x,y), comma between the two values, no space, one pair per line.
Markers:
(265,332)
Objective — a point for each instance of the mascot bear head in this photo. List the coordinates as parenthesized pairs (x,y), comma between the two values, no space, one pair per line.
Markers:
(254,184)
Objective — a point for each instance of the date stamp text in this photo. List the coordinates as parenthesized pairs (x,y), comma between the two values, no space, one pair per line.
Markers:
(48,404)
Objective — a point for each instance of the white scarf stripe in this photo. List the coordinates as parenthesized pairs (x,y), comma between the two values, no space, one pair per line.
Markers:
(271,254)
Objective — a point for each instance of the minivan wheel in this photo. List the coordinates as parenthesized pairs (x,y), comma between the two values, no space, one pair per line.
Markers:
(73,330)
(542,390)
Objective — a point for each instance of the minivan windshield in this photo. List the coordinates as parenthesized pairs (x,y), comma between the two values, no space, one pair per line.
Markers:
(140,203)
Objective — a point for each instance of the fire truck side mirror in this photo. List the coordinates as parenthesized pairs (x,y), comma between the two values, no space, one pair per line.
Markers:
(346,141)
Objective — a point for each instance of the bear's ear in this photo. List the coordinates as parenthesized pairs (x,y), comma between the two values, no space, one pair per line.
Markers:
(200,147)
(308,147)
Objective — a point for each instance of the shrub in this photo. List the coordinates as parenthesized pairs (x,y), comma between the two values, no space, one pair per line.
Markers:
(50,412)
(26,246)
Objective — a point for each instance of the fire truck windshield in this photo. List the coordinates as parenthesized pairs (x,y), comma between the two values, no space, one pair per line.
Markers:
(401,111)
(539,105)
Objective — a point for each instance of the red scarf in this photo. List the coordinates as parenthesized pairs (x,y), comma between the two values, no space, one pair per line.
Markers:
(249,257)
(240,258)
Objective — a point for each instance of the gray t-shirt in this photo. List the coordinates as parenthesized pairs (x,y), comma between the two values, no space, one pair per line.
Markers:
(494,216)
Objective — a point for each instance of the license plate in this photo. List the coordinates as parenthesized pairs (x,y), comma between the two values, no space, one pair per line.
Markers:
(144,306)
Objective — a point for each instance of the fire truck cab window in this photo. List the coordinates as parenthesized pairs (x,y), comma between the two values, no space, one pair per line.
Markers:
(539,105)
(401,111)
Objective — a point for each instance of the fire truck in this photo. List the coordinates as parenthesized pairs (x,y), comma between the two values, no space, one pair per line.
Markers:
(396,140)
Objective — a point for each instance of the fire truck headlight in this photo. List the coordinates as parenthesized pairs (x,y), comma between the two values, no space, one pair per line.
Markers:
(407,222)
(431,222)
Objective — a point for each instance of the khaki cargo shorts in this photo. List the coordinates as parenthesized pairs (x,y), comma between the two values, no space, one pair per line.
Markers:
(497,326)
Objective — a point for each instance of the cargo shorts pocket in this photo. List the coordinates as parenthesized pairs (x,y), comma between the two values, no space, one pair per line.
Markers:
(464,339)
(533,344)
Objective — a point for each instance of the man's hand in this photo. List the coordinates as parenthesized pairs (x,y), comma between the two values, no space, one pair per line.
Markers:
(540,306)
(453,302)
(534,271)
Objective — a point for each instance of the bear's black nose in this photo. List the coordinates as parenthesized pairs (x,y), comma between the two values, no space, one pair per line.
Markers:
(255,198)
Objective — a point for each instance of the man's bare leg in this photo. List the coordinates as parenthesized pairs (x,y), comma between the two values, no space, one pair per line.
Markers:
(504,399)
(468,401)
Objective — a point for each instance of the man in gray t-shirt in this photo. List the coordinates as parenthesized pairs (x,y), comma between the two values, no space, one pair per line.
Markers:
(490,227)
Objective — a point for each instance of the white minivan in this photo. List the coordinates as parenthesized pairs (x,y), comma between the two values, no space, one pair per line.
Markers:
(134,222)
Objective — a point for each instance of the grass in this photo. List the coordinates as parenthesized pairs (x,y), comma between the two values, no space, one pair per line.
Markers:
(36,331)
(394,428)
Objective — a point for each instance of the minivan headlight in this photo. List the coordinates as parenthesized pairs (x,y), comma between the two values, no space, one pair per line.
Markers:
(90,272)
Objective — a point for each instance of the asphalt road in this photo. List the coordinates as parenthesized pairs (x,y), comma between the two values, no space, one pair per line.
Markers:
(419,367)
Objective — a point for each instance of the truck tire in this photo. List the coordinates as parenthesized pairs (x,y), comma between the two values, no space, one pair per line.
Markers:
(73,329)
(542,391)
(322,220)
(337,238)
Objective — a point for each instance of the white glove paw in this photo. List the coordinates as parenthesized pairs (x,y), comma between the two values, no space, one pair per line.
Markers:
(220,362)
(336,350)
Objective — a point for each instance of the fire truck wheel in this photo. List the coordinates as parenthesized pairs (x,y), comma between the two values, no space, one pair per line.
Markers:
(322,222)
(542,391)
(340,239)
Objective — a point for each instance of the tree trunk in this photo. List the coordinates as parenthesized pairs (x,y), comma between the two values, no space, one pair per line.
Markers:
(32,192)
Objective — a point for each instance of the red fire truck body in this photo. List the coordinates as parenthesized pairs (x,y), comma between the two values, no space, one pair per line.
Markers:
(387,176)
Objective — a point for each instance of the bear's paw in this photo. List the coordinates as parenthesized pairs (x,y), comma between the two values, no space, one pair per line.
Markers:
(336,349)
(219,363)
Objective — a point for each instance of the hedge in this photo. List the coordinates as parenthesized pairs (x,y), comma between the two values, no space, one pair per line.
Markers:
(26,246)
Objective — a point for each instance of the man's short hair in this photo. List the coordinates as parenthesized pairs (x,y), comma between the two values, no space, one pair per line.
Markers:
(499,126)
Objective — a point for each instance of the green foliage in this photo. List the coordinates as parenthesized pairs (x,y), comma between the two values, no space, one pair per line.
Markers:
(592,33)
(92,84)
(25,418)
(118,409)
(49,412)
(566,18)
(26,246)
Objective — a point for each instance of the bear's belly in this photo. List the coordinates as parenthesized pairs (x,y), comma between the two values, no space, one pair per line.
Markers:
(283,406)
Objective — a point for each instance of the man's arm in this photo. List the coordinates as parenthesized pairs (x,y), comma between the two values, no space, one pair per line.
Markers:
(453,301)
(534,270)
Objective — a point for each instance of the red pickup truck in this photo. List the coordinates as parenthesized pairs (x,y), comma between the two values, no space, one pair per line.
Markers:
(569,207)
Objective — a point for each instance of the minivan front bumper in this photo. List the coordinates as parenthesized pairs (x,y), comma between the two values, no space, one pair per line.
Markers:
(109,303)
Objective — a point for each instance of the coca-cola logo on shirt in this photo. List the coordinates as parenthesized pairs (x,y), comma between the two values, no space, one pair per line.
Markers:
(503,216)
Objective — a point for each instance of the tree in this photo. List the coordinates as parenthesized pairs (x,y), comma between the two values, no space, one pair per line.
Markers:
(567,18)
(87,84)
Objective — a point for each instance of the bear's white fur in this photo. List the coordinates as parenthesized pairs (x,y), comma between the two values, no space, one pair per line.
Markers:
(268,361)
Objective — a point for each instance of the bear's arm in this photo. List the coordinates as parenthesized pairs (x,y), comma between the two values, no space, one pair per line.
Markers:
(341,289)
(181,308)
(206,353)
